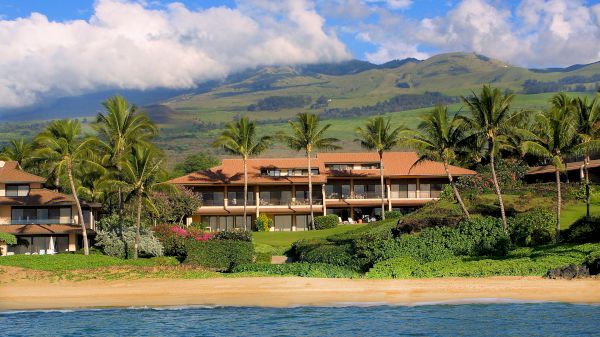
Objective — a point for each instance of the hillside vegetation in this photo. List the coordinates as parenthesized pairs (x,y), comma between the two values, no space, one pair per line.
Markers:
(346,94)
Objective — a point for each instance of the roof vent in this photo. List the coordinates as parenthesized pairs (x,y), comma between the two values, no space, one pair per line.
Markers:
(2,162)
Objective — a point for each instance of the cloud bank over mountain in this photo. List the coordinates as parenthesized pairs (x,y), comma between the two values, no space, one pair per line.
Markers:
(131,45)
(535,33)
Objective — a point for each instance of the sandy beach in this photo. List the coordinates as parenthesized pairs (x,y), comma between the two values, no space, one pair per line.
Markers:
(22,294)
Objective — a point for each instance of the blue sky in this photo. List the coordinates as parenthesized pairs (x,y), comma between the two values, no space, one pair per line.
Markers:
(82,9)
(69,47)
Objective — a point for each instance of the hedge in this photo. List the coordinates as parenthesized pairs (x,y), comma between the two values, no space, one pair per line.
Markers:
(584,230)
(219,254)
(302,269)
(393,214)
(326,221)
(533,228)
(521,262)
(8,238)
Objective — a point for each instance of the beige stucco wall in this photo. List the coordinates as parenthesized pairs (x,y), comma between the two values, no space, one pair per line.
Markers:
(72,242)
(5,214)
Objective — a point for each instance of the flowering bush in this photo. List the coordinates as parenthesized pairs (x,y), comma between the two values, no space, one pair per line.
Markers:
(264,223)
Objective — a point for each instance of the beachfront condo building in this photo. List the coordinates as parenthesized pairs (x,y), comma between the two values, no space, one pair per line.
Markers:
(345,184)
(44,221)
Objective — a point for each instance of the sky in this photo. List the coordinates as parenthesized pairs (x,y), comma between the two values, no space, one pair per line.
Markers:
(70,47)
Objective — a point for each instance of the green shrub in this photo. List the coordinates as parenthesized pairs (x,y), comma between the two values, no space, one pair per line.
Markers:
(480,236)
(8,238)
(434,214)
(297,269)
(584,230)
(338,255)
(521,262)
(113,244)
(173,244)
(234,236)
(536,227)
(326,221)
(264,223)
(393,214)
(219,254)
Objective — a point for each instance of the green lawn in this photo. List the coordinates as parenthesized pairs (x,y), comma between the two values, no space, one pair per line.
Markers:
(571,212)
(65,262)
(285,239)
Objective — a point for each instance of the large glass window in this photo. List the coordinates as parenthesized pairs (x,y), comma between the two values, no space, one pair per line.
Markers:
(297,172)
(211,196)
(17,190)
(276,196)
(302,195)
(225,223)
(235,196)
(431,188)
(46,215)
(367,189)
(406,188)
(302,222)
(282,222)
(338,189)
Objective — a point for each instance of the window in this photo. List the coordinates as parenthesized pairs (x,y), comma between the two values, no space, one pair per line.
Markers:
(296,172)
(367,190)
(302,222)
(282,223)
(45,216)
(235,196)
(340,167)
(17,190)
(338,190)
(223,223)
(404,189)
(211,196)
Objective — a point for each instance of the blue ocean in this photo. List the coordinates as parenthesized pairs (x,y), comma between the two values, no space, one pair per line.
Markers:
(508,319)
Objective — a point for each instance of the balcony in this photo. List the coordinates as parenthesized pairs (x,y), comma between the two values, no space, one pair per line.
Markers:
(240,202)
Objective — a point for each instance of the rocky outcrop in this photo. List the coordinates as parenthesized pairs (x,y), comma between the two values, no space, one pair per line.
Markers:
(574,271)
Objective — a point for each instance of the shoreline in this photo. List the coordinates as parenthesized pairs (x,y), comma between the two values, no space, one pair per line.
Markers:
(280,292)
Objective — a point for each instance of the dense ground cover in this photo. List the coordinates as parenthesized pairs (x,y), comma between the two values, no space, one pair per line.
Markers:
(285,239)
(65,262)
(528,261)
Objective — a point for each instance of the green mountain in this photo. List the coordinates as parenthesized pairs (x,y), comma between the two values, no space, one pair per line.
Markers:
(346,94)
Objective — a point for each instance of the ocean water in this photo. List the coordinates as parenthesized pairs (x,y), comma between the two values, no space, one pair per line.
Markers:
(502,319)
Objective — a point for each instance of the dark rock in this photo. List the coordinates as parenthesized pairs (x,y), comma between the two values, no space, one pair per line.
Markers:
(569,272)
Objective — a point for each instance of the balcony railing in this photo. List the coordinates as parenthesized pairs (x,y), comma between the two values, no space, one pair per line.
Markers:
(240,202)
(45,222)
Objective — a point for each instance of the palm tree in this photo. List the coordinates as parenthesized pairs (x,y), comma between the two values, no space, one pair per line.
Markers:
(441,138)
(490,112)
(62,142)
(140,176)
(381,136)
(240,138)
(588,134)
(553,138)
(308,136)
(120,128)
(18,150)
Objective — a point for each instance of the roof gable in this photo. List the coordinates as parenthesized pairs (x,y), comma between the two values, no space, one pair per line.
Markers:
(11,172)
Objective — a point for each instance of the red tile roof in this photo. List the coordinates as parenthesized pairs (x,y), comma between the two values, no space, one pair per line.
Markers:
(39,197)
(396,164)
(576,165)
(42,229)
(11,172)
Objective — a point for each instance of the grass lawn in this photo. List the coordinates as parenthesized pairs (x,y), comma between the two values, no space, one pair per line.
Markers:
(573,211)
(285,239)
(65,262)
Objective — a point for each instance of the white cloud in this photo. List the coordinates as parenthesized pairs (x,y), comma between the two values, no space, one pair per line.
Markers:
(394,4)
(537,33)
(127,44)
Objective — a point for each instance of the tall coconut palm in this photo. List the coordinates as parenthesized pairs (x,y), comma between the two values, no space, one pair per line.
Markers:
(240,138)
(489,113)
(380,135)
(142,175)
(308,136)
(62,142)
(18,150)
(441,138)
(553,138)
(588,134)
(120,127)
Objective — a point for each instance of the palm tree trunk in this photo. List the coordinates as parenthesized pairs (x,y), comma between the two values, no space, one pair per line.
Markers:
(587,186)
(382,186)
(497,187)
(122,221)
(310,196)
(245,193)
(86,248)
(558,204)
(456,192)
(138,222)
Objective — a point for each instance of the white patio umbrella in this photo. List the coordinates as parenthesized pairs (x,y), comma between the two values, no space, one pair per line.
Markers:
(51,246)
